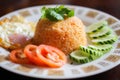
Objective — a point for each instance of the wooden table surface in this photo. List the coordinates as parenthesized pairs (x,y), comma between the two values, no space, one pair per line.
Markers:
(109,6)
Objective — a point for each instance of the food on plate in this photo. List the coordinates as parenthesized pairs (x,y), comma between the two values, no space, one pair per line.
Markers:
(101,43)
(101,48)
(64,32)
(58,35)
(101,33)
(42,55)
(51,56)
(15,32)
(17,56)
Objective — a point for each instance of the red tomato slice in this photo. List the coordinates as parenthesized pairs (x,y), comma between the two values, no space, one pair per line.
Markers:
(18,56)
(30,52)
(51,56)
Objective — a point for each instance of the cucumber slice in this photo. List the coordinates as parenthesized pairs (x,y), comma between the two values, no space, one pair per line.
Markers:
(102,48)
(96,26)
(93,57)
(110,39)
(102,36)
(102,33)
(77,57)
(88,52)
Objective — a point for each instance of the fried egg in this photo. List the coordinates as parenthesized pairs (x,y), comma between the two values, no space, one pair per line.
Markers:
(15,32)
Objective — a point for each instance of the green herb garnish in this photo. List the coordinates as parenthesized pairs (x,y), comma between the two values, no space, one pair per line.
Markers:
(57,13)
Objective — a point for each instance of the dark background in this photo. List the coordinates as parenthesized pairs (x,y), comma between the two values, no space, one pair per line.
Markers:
(109,6)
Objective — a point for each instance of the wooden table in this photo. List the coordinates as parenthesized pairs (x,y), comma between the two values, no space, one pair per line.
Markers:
(109,6)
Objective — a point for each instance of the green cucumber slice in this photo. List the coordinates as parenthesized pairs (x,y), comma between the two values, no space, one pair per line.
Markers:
(110,39)
(87,52)
(96,26)
(102,48)
(102,37)
(102,33)
(77,57)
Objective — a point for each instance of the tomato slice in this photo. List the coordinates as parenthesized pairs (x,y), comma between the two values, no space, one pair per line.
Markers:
(30,52)
(42,55)
(51,56)
(18,56)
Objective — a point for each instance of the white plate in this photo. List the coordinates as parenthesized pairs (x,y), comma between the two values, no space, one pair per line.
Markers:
(68,71)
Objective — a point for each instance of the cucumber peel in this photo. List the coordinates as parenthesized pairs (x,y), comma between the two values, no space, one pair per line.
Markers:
(87,51)
(96,26)
(102,33)
(101,48)
(84,55)
(110,39)
(77,57)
